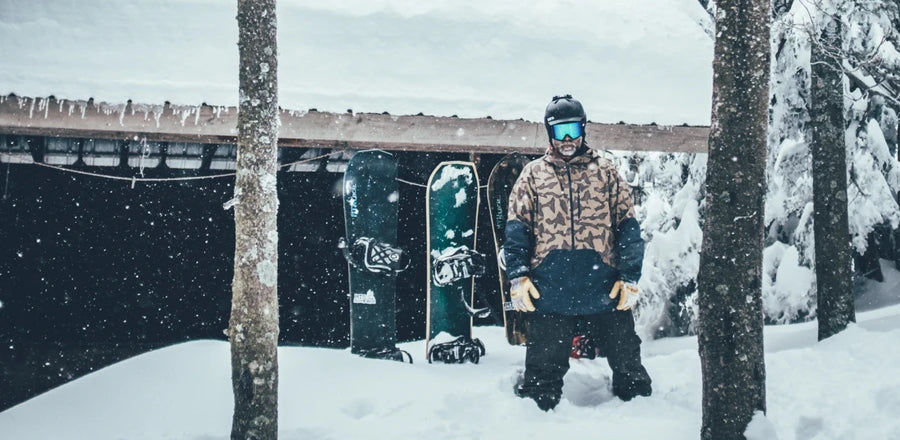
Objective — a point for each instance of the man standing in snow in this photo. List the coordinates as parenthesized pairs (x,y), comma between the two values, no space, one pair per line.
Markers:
(573,252)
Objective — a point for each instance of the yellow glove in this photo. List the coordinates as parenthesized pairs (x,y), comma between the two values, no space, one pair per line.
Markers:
(627,293)
(521,293)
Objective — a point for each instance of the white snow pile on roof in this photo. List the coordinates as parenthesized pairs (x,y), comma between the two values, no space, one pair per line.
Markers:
(641,62)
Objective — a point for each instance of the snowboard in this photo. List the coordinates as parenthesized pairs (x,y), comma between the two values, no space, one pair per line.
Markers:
(499,186)
(370,216)
(452,224)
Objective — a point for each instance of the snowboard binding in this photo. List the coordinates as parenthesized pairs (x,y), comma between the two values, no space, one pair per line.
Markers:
(583,348)
(457,351)
(456,264)
(387,353)
(374,256)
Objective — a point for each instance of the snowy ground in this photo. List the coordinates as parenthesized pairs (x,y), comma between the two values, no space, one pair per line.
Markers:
(847,387)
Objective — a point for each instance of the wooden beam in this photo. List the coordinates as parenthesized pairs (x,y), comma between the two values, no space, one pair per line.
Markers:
(211,124)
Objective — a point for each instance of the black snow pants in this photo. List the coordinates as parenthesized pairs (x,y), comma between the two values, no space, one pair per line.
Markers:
(550,342)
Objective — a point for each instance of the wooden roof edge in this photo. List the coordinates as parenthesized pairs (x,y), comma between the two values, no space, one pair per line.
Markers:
(206,123)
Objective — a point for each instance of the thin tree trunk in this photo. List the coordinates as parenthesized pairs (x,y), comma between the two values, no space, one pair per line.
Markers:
(730,277)
(253,328)
(834,282)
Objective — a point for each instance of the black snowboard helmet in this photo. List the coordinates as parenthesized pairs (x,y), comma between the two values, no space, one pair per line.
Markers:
(563,109)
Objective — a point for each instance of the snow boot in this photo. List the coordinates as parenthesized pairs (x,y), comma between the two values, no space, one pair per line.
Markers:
(627,389)
(544,400)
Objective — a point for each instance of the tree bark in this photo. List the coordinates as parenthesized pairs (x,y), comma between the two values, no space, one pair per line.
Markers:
(730,332)
(253,328)
(834,276)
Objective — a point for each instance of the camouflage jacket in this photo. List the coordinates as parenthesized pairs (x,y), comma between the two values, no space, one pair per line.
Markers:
(571,229)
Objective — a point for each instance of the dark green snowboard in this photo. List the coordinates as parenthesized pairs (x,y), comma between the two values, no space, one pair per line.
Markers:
(370,211)
(499,186)
(452,211)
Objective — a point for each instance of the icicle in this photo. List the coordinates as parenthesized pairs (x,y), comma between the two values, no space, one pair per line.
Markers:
(6,185)
(229,204)
(184,115)
(145,153)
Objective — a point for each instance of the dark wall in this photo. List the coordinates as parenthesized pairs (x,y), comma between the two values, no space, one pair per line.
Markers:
(88,263)
(90,260)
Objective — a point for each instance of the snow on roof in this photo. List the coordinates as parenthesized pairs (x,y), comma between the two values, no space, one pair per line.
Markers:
(639,62)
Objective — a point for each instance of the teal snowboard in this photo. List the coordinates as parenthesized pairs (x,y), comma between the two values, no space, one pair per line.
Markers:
(452,222)
(370,214)
(499,186)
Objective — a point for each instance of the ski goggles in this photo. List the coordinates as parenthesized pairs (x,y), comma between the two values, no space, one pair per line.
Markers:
(573,130)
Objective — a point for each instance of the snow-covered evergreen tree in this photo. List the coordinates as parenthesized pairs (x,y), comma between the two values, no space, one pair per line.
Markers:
(670,199)
(872,201)
(671,209)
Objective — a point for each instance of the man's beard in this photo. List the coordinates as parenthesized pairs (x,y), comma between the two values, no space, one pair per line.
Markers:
(568,149)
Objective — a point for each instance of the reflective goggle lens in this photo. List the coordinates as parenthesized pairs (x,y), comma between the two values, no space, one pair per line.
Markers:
(572,129)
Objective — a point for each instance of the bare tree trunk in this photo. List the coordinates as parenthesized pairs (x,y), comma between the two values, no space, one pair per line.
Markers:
(253,328)
(834,276)
(730,278)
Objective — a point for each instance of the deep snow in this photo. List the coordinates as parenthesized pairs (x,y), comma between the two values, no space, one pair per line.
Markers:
(846,387)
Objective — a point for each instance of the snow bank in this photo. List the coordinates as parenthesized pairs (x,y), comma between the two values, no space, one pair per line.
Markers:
(846,387)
